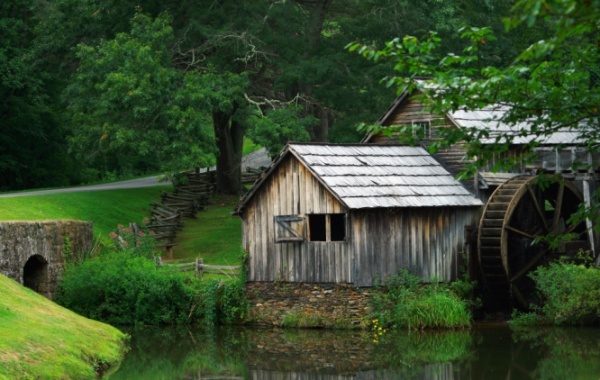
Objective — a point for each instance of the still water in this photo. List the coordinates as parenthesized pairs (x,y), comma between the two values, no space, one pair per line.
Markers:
(483,352)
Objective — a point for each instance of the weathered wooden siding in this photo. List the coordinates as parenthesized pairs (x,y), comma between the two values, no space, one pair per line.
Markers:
(293,190)
(410,111)
(428,242)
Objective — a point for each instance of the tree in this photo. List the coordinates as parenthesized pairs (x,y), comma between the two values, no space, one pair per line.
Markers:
(245,52)
(550,86)
(32,147)
(131,109)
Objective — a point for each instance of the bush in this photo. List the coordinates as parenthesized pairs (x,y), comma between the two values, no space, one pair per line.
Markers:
(570,294)
(124,289)
(404,303)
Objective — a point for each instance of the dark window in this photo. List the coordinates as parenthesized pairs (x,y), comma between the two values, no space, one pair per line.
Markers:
(318,227)
(327,227)
(422,129)
(337,224)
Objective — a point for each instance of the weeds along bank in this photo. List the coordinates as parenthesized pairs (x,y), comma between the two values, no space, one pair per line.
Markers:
(126,287)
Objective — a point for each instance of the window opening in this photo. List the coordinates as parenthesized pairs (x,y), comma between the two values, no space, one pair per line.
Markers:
(327,227)
(318,227)
(338,227)
(423,130)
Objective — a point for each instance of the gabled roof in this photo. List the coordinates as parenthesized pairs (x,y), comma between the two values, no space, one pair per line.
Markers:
(488,118)
(366,176)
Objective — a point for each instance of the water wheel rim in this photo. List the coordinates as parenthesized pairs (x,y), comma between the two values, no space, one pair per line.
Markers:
(520,190)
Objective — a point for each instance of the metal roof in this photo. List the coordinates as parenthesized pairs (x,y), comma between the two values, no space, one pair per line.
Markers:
(378,176)
(488,118)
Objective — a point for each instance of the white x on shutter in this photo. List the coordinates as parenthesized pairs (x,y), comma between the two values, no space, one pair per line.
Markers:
(289,228)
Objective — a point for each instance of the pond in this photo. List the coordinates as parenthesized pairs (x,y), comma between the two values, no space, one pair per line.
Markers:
(486,351)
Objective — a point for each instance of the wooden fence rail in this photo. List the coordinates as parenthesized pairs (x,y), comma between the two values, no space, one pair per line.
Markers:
(200,268)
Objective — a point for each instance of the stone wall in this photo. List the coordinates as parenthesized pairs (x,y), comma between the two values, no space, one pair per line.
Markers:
(325,305)
(35,253)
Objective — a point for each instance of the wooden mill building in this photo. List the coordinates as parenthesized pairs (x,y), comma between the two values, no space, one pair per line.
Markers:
(519,211)
(355,214)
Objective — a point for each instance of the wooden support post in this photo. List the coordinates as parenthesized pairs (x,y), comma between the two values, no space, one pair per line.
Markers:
(588,223)
(199,267)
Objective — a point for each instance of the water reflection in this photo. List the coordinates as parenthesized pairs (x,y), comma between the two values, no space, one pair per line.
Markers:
(484,352)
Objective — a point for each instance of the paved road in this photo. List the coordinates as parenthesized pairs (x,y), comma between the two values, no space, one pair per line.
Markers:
(255,160)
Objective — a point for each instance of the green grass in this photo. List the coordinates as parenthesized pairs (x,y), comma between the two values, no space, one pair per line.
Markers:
(106,209)
(41,340)
(249,146)
(215,236)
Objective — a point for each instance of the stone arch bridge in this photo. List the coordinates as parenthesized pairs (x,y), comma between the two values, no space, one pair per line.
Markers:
(35,253)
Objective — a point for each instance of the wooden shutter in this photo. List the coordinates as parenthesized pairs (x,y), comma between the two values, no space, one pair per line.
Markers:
(289,228)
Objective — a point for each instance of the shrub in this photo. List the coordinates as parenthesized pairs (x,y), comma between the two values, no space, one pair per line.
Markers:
(405,303)
(123,289)
(570,294)
(224,301)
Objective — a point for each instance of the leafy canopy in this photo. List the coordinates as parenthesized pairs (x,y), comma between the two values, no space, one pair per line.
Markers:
(127,100)
(551,85)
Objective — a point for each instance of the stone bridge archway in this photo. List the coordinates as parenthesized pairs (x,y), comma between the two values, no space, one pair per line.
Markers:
(35,253)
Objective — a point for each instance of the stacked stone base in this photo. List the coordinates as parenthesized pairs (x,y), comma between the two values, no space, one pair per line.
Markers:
(319,305)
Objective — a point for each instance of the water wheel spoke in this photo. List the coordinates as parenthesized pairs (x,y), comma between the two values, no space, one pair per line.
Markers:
(518,295)
(538,207)
(574,226)
(528,266)
(558,208)
(521,212)
(520,232)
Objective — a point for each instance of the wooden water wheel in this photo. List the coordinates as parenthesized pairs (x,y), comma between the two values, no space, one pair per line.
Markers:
(512,241)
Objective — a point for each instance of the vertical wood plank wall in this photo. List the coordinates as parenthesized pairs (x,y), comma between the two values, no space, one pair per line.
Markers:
(379,243)
(428,242)
(292,190)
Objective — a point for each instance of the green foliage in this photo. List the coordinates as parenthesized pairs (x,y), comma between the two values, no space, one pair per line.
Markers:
(127,99)
(223,301)
(123,288)
(404,303)
(550,85)
(126,287)
(571,295)
(279,126)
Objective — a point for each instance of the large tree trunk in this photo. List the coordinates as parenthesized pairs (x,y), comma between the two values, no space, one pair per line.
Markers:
(314,34)
(230,138)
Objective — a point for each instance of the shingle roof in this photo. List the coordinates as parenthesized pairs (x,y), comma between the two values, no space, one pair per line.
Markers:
(380,176)
(488,118)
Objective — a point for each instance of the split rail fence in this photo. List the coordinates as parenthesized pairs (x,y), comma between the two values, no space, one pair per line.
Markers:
(200,268)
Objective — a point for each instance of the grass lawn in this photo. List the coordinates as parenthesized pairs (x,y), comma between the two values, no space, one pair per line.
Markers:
(106,209)
(214,236)
(41,340)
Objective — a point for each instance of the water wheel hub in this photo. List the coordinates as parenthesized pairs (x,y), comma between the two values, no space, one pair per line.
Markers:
(516,235)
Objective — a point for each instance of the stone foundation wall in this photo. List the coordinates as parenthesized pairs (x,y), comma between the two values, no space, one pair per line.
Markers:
(38,249)
(324,304)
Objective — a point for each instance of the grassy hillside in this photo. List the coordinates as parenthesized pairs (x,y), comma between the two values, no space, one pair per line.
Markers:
(105,208)
(41,340)
(215,235)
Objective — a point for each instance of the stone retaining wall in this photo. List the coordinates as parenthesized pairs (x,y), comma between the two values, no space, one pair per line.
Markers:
(35,253)
(325,305)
